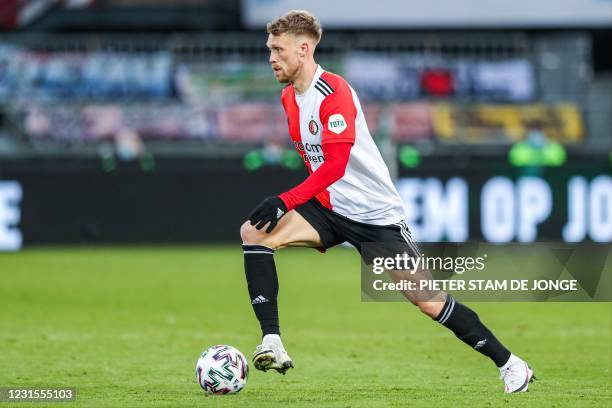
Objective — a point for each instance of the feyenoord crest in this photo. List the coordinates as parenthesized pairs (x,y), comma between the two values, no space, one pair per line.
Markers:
(313,127)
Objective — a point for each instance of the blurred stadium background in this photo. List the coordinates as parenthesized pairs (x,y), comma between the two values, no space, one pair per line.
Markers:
(135,120)
(159,122)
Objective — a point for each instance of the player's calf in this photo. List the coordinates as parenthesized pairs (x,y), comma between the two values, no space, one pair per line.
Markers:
(262,282)
(466,325)
(430,308)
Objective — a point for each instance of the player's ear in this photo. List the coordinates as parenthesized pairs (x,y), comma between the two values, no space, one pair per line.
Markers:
(304,46)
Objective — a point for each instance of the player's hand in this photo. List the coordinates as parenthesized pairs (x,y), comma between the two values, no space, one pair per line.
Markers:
(269,211)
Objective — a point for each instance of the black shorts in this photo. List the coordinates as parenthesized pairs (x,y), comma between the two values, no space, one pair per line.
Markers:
(335,229)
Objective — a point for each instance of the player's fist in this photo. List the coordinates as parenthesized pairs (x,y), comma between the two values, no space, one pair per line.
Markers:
(269,211)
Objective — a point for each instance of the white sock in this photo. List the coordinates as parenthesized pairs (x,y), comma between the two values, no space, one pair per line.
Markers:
(513,359)
(272,339)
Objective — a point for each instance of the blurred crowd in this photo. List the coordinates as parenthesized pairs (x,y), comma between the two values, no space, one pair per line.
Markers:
(92,96)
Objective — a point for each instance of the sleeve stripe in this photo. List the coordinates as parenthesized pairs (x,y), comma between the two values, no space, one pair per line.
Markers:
(326,85)
(325,93)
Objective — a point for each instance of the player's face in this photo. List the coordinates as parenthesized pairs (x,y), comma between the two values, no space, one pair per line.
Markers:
(286,57)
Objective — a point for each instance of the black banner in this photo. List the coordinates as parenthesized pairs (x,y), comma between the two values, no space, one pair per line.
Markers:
(207,201)
(171,204)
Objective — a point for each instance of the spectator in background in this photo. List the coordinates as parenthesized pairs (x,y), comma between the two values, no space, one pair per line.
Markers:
(129,145)
(37,124)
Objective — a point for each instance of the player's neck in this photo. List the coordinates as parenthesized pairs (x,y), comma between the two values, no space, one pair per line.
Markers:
(305,77)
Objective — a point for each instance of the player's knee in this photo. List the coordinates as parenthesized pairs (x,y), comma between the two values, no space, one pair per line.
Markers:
(431,309)
(252,236)
(249,234)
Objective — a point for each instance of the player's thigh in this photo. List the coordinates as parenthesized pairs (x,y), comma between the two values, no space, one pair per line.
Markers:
(291,230)
(389,241)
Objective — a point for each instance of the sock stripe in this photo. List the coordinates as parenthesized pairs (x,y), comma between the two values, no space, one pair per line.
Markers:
(448,311)
(257,249)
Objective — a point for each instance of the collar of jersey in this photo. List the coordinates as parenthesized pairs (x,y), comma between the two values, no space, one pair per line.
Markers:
(315,78)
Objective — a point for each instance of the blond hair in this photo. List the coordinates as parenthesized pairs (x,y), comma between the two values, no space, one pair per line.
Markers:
(297,22)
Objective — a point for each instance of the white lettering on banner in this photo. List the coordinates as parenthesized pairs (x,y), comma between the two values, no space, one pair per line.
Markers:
(535,205)
(10,215)
(498,210)
(509,210)
(575,229)
(600,209)
(589,209)
(442,210)
(446,212)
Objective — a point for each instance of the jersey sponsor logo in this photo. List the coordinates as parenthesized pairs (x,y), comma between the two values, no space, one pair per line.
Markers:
(313,127)
(309,147)
(313,158)
(311,152)
(336,123)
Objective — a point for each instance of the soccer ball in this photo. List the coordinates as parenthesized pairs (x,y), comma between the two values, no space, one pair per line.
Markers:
(222,370)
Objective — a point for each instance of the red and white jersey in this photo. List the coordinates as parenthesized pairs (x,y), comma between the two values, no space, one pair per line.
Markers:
(330,112)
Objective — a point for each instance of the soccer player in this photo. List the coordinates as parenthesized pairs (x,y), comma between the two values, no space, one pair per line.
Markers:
(348,196)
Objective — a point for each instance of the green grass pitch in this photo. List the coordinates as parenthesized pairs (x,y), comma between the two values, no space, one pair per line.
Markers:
(126,325)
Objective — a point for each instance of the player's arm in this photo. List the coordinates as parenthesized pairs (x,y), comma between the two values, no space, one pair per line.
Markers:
(337,114)
(336,159)
(273,208)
